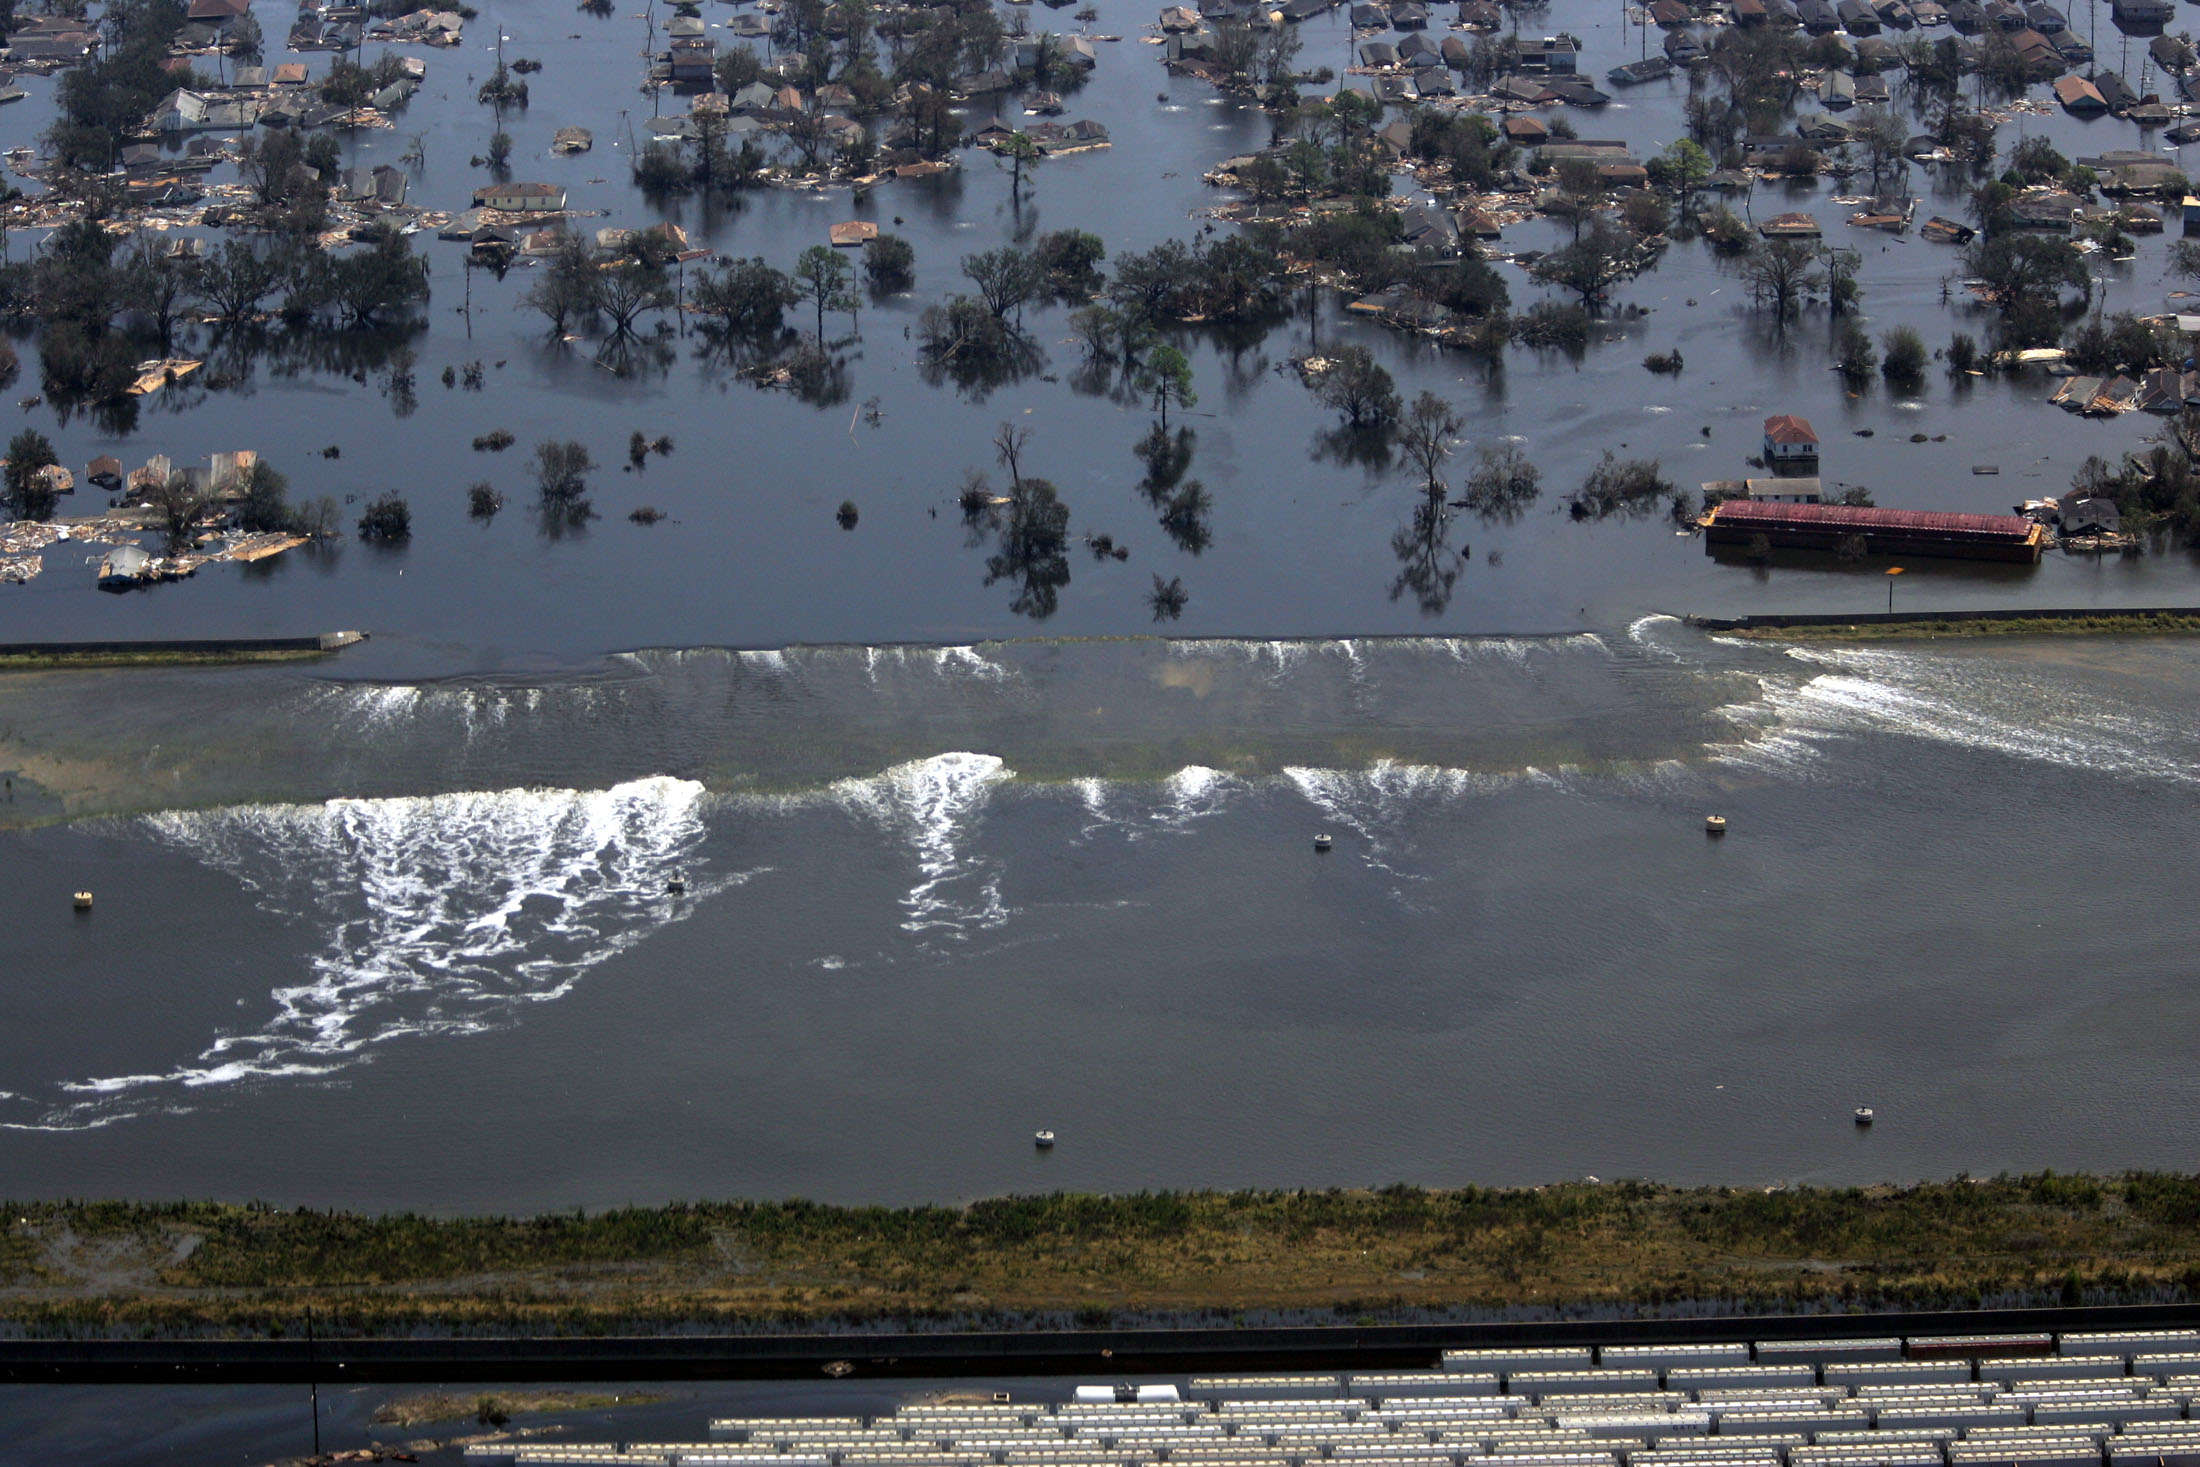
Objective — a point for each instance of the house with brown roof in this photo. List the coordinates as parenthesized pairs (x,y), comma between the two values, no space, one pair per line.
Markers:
(1790,442)
(1797,225)
(2079,97)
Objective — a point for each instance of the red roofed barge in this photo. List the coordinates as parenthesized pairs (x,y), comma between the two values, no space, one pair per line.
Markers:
(2004,537)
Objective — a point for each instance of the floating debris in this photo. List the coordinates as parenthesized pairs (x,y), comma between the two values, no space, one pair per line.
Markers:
(154,375)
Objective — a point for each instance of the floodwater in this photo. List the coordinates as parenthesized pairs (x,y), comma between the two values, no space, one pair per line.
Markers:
(1302,543)
(399,930)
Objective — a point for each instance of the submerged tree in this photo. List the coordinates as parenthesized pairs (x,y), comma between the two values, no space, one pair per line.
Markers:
(1005,279)
(1619,484)
(387,519)
(964,341)
(1184,517)
(889,264)
(1032,548)
(822,277)
(1854,356)
(1780,273)
(266,502)
(1598,259)
(177,507)
(1165,375)
(1168,598)
(744,301)
(570,292)
(1425,435)
(1359,389)
(1427,567)
(30,493)
(561,477)
(630,290)
(233,281)
(1504,482)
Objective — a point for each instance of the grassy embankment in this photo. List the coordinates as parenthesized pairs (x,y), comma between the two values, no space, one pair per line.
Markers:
(1397,1253)
(494,1408)
(153,657)
(2105,625)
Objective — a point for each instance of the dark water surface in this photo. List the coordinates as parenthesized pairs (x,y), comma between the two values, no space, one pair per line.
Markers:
(938,899)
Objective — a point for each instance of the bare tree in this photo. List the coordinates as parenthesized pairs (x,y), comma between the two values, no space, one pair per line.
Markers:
(1780,273)
(1009,443)
(177,509)
(631,291)
(1425,435)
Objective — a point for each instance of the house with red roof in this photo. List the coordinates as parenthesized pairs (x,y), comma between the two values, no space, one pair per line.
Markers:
(1790,443)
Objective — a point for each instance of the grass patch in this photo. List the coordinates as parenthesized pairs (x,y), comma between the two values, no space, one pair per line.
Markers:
(2106,625)
(210,1268)
(51,661)
(498,1407)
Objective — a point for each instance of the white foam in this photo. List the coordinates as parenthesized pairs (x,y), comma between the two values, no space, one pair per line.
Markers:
(1976,702)
(1376,802)
(443,914)
(1279,655)
(934,803)
(1649,632)
(967,660)
(1191,794)
(766,660)
(378,705)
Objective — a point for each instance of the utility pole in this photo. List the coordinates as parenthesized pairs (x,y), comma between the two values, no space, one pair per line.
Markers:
(313,1382)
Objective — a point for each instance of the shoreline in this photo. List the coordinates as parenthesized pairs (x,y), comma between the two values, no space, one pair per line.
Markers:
(76,661)
(172,652)
(1619,1249)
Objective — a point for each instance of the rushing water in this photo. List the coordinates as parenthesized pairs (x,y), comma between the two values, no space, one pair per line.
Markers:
(936,898)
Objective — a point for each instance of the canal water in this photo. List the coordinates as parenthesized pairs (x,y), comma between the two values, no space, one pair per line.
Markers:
(412,944)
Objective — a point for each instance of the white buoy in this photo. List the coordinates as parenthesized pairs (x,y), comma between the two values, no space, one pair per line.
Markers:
(1322,842)
(82,901)
(677,886)
(1864,1115)
(1714,825)
(1044,1140)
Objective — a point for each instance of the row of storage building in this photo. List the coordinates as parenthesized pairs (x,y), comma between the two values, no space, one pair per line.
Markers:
(2091,1400)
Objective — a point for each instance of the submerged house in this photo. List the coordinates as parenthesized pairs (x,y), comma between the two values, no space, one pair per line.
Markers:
(2002,537)
(2079,97)
(519,198)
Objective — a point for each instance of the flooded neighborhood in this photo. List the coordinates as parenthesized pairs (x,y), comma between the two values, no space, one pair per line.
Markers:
(1322,318)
